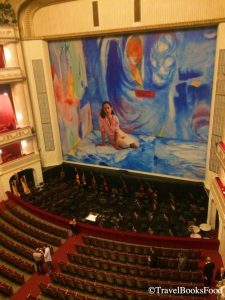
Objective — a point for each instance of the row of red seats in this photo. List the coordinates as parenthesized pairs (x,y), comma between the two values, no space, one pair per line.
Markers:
(36,222)
(123,280)
(140,249)
(11,274)
(5,289)
(59,293)
(38,234)
(163,262)
(21,238)
(112,291)
(129,269)
(17,262)
(16,247)
(31,297)
(93,288)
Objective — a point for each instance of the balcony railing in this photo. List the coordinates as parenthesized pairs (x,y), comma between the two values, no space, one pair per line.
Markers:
(23,161)
(220,153)
(8,34)
(10,137)
(218,193)
(12,74)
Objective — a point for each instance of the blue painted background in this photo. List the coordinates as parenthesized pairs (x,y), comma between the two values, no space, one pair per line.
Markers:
(171,125)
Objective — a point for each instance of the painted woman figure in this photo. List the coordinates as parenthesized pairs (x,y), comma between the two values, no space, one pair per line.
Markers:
(109,126)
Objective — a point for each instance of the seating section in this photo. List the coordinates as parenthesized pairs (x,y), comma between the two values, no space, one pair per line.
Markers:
(100,268)
(5,289)
(140,249)
(17,262)
(18,241)
(59,293)
(113,272)
(16,247)
(131,281)
(16,235)
(35,221)
(136,259)
(129,269)
(107,291)
(11,274)
(31,297)
(41,235)
(122,201)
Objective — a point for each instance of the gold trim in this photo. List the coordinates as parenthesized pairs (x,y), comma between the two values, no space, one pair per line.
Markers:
(16,135)
(128,30)
(26,13)
(29,8)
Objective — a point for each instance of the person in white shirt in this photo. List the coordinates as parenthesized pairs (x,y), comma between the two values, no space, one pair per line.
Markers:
(48,258)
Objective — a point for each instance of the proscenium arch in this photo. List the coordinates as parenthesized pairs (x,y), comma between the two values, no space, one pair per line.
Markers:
(26,12)
(208,14)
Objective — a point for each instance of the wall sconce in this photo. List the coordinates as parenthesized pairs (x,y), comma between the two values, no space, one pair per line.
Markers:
(19,118)
(8,55)
(24,145)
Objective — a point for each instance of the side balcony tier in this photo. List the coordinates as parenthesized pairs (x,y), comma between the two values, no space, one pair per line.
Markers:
(12,74)
(218,193)
(10,137)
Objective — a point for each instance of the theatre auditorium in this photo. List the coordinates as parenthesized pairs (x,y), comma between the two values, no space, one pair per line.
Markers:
(112,149)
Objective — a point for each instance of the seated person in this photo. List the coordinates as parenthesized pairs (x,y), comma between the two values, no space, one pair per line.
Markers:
(182,262)
(150,230)
(109,126)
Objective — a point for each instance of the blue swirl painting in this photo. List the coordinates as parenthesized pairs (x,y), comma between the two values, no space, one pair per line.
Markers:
(159,85)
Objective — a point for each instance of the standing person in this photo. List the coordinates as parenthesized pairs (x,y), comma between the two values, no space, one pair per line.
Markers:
(208,271)
(48,258)
(182,262)
(109,125)
(73,225)
(38,256)
(154,258)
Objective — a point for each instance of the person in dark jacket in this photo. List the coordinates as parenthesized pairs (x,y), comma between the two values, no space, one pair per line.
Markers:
(73,226)
(208,271)
(152,259)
